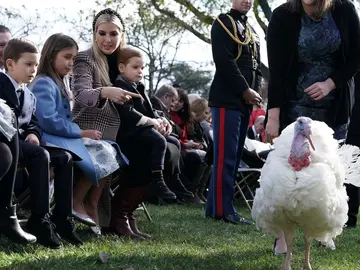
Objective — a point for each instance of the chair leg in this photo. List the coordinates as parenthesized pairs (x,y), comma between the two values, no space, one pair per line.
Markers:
(24,198)
(146,212)
(243,195)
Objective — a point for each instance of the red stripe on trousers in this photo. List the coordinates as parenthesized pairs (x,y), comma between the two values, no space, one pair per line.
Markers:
(220,163)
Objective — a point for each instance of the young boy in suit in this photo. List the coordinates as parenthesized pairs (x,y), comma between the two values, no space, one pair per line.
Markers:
(21,59)
(138,115)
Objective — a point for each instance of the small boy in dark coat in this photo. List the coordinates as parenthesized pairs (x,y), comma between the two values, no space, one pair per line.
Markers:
(141,127)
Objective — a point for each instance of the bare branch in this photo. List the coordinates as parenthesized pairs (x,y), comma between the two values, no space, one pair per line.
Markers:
(180,22)
(202,16)
(257,16)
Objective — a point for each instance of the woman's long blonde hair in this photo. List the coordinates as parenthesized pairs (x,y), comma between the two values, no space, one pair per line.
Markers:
(99,58)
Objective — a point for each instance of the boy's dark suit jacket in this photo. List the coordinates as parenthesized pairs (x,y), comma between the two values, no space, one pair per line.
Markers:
(7,93)
(132,111)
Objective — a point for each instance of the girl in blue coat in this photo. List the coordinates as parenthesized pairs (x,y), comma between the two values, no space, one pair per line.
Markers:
(53,110)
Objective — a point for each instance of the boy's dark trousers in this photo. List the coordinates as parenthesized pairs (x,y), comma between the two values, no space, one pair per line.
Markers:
(146,151)
(37,161)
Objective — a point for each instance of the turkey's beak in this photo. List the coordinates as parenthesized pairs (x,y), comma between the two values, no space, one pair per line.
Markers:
(310,141)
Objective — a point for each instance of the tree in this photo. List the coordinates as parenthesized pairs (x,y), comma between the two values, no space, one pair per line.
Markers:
(158,37)
(193,79)
(198,18)
(21,23)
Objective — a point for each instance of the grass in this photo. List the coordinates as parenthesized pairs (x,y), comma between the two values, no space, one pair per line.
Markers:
(183,239)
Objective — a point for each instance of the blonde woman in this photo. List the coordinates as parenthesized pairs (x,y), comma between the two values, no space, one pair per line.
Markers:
(95,70)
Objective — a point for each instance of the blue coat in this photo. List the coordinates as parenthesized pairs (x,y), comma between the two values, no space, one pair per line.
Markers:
(55,119)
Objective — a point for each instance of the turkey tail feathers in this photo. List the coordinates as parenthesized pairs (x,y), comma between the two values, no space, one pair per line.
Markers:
(350,158)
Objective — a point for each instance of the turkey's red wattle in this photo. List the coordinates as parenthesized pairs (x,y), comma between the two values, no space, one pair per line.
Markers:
(299,162)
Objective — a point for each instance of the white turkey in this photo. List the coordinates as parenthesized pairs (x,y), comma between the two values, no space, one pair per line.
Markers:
(302,185)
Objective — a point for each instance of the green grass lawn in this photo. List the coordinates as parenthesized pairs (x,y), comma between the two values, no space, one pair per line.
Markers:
(183,239)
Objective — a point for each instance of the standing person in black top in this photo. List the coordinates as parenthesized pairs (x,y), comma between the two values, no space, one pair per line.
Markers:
(313,54)
(353,138)
(236,53)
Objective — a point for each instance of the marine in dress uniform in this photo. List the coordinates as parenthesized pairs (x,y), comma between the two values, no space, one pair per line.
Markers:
(236,53)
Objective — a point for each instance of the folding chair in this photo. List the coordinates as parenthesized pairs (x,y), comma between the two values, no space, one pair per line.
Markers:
(246,182)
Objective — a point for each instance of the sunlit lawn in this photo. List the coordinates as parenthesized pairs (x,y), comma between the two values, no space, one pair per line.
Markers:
(183,239)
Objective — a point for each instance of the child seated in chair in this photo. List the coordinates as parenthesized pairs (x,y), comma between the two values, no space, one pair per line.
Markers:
(141,138)
(98,158)
(21,60)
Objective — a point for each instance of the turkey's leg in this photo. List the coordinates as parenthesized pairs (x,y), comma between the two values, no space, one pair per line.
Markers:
(307,265)
(280,244)
(289,238)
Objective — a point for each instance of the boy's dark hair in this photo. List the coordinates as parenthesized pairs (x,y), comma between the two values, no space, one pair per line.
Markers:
(4,29)
(126,53)
(16,47)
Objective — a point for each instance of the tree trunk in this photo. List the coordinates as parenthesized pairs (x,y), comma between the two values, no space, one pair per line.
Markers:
(152,71)
(265,8)
(257,16)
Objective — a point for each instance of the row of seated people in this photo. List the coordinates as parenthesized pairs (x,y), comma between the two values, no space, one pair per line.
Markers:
(46,136)
(50,133)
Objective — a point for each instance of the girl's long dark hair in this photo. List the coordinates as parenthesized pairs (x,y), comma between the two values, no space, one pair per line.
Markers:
(53,45)
(184,113)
